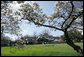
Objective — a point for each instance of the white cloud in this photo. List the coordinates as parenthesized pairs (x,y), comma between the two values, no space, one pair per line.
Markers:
(12,37)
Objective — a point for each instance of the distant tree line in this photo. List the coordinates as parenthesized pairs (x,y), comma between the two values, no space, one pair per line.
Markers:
(75,36)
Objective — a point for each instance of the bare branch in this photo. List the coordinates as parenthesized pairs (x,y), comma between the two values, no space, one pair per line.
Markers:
(69,14)
(37,23)
(47,26)
(80,13)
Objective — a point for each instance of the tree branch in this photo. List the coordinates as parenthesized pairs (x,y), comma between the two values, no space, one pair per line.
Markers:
(37,23)
(46,25)
(80,13)
(69,14)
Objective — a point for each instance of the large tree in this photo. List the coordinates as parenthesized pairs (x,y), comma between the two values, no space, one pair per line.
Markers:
(65,16)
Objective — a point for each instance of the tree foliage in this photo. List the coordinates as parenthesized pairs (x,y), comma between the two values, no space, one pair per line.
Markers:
(9,18)
(75,35)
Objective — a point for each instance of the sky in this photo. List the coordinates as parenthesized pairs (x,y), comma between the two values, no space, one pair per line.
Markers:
(29,29)
(48,6)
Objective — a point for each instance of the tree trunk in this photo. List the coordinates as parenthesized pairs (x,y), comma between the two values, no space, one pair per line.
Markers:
(70,42)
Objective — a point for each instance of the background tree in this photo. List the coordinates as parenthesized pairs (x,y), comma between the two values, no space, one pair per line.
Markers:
(75,35)
(29,39)
(42,40)
(35,34)
(45,33)
(5,41)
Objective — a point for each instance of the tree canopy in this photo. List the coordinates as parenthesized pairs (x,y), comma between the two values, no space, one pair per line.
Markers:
(75,35)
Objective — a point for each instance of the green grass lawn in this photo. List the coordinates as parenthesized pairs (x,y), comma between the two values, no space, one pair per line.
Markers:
(41,50)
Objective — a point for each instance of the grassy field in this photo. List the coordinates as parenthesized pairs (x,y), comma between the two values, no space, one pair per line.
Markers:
(41,50)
